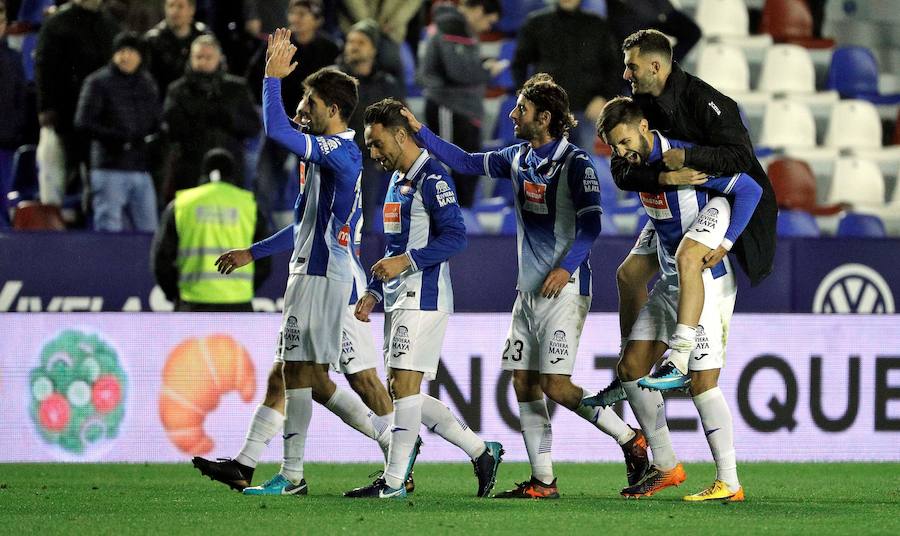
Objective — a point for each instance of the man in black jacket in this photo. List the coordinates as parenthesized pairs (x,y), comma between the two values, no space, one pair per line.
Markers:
(117,109)
(206,109)
(681,106)
(169,42)
(12,110)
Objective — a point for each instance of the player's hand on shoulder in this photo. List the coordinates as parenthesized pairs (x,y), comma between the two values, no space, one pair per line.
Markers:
(233,259)
(683,176)
(555,281)
(364,306)
(673,158)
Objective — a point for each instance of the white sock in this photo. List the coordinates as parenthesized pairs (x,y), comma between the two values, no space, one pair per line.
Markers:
(605,419)
(650,410)
(352,411)
(382,425)
(265,424)
(682,343)
(297,413)
(438,418)
(717,424)
(538,435)
(407,421)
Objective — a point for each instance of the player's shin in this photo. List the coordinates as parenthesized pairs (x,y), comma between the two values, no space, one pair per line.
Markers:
(298,412)
(265,425)
(538,435)
(650,410)
(605,419)
(717,425)
(407,420)
(438,418)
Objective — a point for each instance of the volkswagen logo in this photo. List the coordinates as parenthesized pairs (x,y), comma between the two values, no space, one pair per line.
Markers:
(855,289)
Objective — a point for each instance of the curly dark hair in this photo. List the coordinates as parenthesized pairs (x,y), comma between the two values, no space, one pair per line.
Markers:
(386,112)
(335,87)
(616,112)
(548,96)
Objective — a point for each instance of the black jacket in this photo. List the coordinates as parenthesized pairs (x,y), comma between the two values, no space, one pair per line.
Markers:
(691,110)
(575,48)
(203,112)
(12,97)
(318,53)
(117,112)
(167,54)
(73,43)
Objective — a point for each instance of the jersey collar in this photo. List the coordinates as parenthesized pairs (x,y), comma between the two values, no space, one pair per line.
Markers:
(661,144)
(415,168)
(348,134)
(553,158)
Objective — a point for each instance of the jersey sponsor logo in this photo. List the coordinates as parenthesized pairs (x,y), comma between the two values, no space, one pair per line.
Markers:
(391,215)
(701,339)
(656,205)
(326,145)
(291,332)
(715,108)
(535,197)
(590,183)
(854,288)
(347,346)
(301,172)
(344,235)
(559,346)
(445,196)
(706,221)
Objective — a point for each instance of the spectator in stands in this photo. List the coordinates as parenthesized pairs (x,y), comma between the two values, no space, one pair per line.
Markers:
(314,51)
(73,43)
(393,19)
(453,78)
(200,224)
(169,42)
(262,17)
(358,60)
(578,50)
(205,109)
(136,15)
(627,17)
(119,108)
(12,110)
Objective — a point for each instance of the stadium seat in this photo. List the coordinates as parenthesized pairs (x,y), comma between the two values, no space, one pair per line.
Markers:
(854,74)
(724,67)
(24,172)
(504,80)
(857,182)
(728,21)
(409,70)
(504,133)
(853,124)
(608,226)
(471,222)
(795,187)
(508,225)
(796,223)
(788,70)
(514,13)
(490,213)
(503,188)
(33,216)
(790,21)
(861,225)
(788,124)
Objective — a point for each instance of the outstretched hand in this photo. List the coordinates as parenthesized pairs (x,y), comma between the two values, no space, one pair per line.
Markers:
(414,123)
(232,260)
(279,53)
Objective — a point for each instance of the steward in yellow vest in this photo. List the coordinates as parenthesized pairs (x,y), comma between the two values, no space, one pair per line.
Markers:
(199,225)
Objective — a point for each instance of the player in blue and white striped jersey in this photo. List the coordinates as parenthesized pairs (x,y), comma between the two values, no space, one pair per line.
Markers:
(558,215)
(423,228)
(704,220)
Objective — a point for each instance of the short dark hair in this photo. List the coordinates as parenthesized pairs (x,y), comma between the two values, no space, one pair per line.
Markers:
(314,6)
(489,6)
(386,112)
(548,96)
(649,41)
(617,111)
(335,87)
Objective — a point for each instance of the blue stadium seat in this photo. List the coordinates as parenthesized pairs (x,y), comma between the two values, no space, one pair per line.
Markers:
(409,70)
(504,80)
(508,227)
(796,223)
(861,225)
(24,173)
(33,10)
(598,7)
(514,13)
(503,129)
(854,74)
(504,188)
(607,225)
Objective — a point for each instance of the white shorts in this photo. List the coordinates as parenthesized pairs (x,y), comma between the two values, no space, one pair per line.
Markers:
(314,309)
(658,317)
(413,340)
(357,345)
(545,332)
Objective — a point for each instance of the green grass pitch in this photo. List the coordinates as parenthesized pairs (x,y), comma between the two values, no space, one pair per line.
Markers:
(820,499)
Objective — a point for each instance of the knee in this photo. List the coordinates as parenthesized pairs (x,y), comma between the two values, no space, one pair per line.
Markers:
(365,383)
(689,257)
(527,385)
(275,386)
(703,381)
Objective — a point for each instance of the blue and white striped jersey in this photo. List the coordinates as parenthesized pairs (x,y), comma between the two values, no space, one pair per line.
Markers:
(673,211)
(328,195)
(551,193)
(422,219)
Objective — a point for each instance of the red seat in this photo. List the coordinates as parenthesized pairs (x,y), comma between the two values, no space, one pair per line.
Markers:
(790,21)
(33,216)
(795,188)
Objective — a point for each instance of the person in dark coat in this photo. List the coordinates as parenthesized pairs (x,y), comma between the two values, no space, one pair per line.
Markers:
(117,110)
(72,43)
(12,110)
(169,42)
(682,106)
(375,84)
(626,17)
(205,109)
